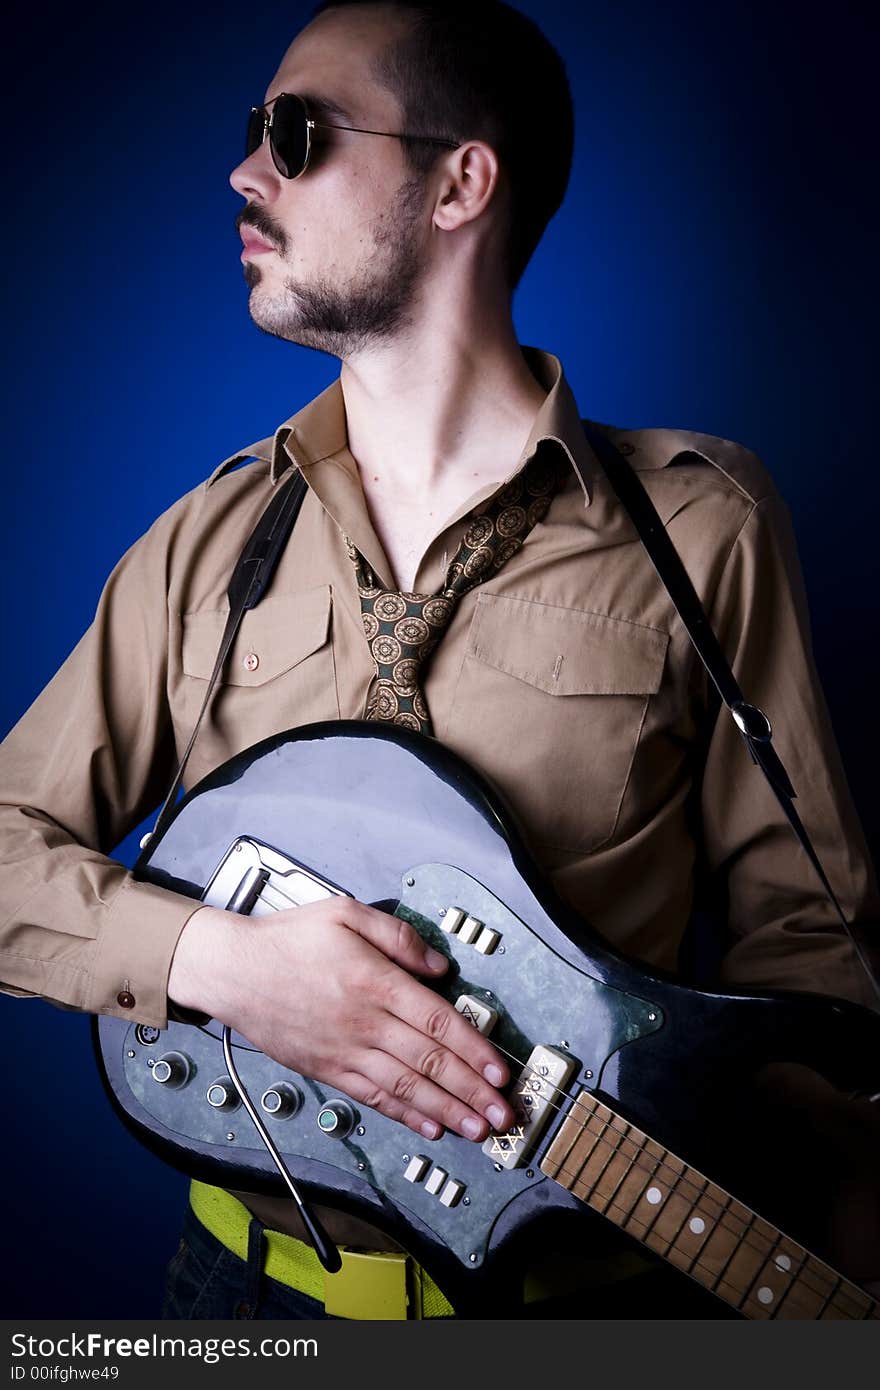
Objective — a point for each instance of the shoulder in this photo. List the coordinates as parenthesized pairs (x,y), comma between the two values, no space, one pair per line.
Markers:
(706,489)
(688,458)
(193,544)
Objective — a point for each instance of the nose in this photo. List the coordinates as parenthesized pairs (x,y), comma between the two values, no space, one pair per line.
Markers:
(256,177)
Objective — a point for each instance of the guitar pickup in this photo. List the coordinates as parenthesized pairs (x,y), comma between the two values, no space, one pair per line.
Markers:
(535,1097)
(476,1013)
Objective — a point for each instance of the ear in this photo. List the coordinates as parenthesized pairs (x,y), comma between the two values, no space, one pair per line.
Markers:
(469,182)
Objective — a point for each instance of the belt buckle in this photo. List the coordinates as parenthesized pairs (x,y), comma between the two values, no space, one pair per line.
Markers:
(370,1286)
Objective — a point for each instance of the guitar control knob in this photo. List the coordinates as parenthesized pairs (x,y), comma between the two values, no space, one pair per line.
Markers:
(281,1101)
(172,1069)
(337,1118)
(222,1094)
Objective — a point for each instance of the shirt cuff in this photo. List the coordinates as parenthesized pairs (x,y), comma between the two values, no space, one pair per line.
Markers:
(129,978)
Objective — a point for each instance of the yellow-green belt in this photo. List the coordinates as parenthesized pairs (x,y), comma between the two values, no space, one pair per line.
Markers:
(384,1285)
(372,1285)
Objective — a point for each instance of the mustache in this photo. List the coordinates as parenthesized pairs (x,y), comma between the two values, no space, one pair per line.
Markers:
(254,216)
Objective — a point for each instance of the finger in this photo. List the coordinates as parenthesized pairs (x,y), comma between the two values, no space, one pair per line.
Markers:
(440,1087)
(396,939)
(366,1091)
(385,1084)
(437,1022)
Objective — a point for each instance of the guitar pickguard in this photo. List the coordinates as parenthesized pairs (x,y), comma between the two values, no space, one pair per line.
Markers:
(455,1188)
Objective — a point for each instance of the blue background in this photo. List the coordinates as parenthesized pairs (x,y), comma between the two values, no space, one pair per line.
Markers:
(712,268)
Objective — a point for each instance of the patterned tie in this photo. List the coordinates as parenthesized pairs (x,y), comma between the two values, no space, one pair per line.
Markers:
(402,629)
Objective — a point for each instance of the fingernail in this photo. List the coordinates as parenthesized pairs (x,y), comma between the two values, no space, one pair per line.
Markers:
(493,1074)
(430,1130)
(495,1116)
(471,1127)
(434,960)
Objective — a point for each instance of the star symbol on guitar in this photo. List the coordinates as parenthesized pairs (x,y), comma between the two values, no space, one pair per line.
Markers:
(532,1090)
(506,1144)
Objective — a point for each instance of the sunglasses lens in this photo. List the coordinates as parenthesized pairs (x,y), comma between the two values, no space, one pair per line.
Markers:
(289,135)
(255,127)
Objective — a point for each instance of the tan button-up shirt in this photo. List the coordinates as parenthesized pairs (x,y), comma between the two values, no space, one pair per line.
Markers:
(567,679)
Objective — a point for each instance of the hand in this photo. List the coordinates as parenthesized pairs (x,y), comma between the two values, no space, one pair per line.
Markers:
(328,990)
(829,1145)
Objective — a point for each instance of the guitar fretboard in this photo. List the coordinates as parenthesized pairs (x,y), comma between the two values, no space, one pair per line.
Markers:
(694,1224)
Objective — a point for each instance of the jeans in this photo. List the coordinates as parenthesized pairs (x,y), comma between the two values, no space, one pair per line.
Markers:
(205,1280)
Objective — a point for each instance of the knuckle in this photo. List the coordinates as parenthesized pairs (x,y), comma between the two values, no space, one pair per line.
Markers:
(437,1023)
(433,1062)
(375,1098)
(403,936)
(404,1086)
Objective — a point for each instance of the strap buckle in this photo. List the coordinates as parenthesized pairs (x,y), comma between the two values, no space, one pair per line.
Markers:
(370,1286)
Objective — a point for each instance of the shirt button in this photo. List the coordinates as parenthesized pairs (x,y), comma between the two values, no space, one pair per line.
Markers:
(251,661)
(125,1000)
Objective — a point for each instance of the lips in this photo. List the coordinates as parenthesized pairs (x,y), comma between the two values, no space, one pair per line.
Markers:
(254,244)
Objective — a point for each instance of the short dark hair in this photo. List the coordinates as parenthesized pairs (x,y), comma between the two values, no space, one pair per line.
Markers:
(481,70)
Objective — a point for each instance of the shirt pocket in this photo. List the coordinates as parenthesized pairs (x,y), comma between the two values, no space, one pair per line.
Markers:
(550,705)
(279,674)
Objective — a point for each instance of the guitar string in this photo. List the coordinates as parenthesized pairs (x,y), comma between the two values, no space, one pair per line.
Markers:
(722,1216)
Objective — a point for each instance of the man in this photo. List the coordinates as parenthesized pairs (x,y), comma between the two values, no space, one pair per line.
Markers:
(399,255)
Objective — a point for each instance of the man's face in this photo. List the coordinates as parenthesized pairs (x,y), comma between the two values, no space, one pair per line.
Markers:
(344,244)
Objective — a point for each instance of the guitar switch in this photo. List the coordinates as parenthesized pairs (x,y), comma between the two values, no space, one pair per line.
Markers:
(172,1069)
(222,1094)
(416,1168)
(282,1101)
(452,1193)
(435,1180)
(469,930)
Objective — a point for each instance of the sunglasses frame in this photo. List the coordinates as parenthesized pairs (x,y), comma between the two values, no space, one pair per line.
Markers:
(311,124)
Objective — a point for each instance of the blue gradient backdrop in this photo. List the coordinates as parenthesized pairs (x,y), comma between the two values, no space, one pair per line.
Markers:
(711,268)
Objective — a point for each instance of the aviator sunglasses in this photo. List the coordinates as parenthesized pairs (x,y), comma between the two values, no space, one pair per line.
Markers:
(289,128)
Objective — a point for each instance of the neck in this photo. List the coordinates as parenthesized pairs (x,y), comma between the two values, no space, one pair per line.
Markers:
(447,404)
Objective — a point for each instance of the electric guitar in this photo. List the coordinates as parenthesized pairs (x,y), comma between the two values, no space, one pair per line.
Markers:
(628,1085)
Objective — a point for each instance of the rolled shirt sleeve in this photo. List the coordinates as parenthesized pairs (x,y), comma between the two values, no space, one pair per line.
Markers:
(89,760)
(784,928)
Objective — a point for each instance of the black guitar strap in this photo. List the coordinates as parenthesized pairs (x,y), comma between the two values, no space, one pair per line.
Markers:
(249,581)
(261,554)
(752,723)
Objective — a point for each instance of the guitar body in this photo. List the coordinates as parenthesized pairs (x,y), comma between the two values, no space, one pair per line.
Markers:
(399,822)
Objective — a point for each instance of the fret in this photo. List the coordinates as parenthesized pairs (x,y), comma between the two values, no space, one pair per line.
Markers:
(745,1265)
(846,1300)
(575,1141)
(612,1170)
(629,1209)
(780,1291)
(617,1169)
(675,1207)
(698,1227)
(655,1193)
(717,1249)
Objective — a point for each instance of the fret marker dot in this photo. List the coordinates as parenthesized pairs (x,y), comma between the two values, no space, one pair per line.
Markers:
(697,1225)
(654,1195)
(782,1262)
(765,1295)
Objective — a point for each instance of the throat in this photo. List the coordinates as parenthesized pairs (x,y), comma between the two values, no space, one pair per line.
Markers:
(406,525)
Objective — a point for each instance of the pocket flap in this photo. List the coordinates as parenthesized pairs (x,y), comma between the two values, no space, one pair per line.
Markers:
(567,651)
(275,636)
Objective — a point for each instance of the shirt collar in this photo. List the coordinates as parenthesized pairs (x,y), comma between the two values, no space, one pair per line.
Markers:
(318,431)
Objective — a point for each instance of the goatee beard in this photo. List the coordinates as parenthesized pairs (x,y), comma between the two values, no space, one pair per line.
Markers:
(374,305)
